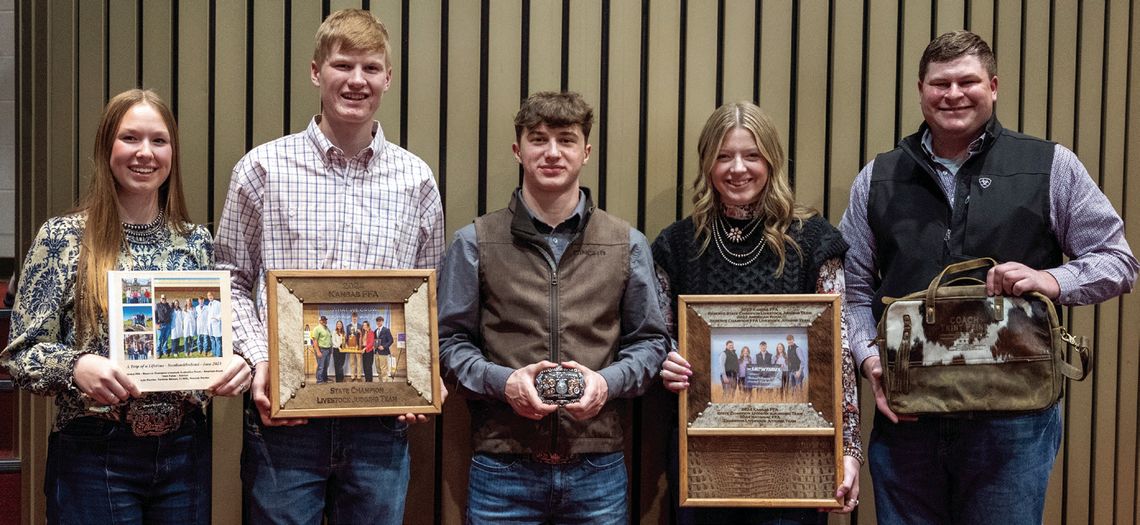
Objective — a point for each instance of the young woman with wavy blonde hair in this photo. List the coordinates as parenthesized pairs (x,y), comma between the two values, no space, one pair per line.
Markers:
(747,235)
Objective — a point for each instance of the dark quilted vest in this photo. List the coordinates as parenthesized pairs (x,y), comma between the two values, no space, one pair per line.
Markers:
(1001,211)
(531,310)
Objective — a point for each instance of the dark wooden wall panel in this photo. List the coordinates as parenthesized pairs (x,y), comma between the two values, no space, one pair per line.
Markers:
(193,63)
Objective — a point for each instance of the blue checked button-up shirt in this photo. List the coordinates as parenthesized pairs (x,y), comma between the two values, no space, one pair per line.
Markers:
(299,203)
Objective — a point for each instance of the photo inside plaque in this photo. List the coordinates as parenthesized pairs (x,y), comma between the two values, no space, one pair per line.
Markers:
(195,311)
(138,346)
(759,365)
(366,343)
(136,290)
(138,318)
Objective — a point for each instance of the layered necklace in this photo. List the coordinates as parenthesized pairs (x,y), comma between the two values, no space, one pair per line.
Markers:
(723,231)
(145,233)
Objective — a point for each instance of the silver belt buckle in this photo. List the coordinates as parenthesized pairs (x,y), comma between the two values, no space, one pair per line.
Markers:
(559,386)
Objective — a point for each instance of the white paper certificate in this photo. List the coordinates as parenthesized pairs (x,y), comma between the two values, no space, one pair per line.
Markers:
(170,330)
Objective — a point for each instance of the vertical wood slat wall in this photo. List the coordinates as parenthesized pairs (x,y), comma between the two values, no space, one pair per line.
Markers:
(837,76)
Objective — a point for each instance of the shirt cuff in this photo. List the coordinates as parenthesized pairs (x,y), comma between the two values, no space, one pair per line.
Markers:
(861,351)
(496,378)
(1067,282)
(613,379)
(254,356)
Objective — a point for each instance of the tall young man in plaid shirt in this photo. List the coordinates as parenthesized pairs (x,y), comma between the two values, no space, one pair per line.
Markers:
(337,195)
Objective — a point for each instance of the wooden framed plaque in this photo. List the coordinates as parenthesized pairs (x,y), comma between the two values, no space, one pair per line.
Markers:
(761,421)
(170,330)
(352,343)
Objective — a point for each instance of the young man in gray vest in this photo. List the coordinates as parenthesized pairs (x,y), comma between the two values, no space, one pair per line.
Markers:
(964,187)
(549,280)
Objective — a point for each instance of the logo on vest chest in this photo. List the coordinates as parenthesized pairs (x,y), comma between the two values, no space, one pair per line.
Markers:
(985,182)
(588,252)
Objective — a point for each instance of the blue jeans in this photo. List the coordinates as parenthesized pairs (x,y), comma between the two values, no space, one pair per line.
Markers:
(349,470)
(323,365)
(163,340)
(216,343)
(510,488)
(98,471)
(985,469)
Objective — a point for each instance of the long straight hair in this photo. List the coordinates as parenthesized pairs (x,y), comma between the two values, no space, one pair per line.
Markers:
(777,205)
(103,238)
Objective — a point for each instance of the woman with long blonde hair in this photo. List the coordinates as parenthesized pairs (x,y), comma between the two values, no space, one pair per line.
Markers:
(115,454)
(747,235)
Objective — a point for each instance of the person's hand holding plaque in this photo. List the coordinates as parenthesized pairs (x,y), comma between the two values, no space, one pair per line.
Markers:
(412,419)
(259,392)
(675,372)
(103,381)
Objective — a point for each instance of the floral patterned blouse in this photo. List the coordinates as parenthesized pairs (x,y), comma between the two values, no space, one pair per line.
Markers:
(42,352)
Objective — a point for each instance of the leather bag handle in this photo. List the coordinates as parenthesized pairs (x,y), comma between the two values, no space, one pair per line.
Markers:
(1081,345)
(964,266)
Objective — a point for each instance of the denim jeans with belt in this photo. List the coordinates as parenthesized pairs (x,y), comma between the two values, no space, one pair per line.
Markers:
(323,364)
(98,471)
(976,470)
(350,470)
(512,488)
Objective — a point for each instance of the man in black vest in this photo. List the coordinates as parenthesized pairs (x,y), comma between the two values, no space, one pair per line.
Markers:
(797,362)
(964,187)
(549,279)
(162,313)
(763,356)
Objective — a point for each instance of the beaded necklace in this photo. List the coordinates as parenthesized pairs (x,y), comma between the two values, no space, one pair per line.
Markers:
(145,233)
(722,230)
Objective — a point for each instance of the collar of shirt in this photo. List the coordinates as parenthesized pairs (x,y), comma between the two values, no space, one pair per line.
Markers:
(952,165)
(568,225)
(328,151)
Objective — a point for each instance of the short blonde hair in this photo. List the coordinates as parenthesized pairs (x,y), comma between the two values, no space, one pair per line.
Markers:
(351,30)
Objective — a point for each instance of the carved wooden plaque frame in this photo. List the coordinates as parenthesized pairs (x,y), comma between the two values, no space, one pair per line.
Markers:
(404,376)
(755,433)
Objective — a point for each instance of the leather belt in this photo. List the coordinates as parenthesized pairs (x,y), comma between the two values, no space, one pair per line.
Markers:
(553,458)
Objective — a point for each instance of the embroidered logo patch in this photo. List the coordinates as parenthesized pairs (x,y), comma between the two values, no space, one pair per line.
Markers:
(985,182)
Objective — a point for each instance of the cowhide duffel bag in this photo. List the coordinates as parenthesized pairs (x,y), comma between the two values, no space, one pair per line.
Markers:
(952,349)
